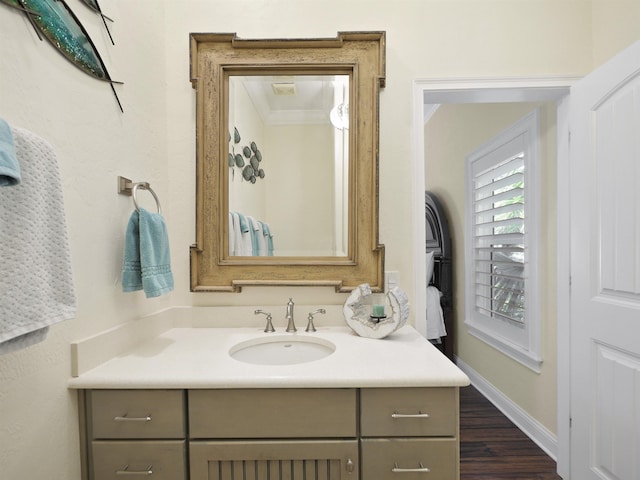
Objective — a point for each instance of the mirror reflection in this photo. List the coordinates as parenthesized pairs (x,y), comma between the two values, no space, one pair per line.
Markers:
(288,159)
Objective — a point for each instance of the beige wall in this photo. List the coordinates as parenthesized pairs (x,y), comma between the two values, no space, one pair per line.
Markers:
(154,141)
(454,132)
(615,26)
(300,166)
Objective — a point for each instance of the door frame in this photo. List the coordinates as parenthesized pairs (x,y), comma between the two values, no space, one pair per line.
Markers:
(428,94)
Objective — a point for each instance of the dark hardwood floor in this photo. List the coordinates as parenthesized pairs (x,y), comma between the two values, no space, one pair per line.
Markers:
(493,448)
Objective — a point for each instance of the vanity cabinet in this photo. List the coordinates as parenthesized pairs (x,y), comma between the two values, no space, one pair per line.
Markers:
(298,433)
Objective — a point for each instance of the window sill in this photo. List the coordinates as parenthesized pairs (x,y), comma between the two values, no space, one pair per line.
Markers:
(529,359)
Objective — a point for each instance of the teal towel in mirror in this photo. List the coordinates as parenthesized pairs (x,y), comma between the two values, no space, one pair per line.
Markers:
(147,262)
(9,166)
(266,230)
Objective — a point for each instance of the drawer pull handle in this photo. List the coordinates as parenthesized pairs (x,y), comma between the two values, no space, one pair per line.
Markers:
(124,418)
(410,415)
(350,466)
(422,469)
(125,471)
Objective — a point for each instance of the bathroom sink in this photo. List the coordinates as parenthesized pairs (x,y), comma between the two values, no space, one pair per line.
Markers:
(282,350)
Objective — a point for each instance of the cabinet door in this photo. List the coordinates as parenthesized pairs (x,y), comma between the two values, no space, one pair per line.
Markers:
(264,460)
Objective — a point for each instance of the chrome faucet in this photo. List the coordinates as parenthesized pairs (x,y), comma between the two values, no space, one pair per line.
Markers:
(269,328)
(291,327)
(310,326)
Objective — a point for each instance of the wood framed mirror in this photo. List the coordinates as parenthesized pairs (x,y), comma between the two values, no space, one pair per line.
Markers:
(287,161)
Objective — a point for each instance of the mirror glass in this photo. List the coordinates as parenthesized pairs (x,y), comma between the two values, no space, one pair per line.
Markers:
(288,163)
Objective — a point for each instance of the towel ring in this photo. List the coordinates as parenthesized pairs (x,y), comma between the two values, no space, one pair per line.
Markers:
(144,186)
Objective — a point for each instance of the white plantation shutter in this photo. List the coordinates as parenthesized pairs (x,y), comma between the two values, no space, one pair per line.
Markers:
(499,254)
(501,278)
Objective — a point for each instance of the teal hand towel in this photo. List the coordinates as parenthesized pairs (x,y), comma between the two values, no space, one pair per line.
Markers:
(131,269)
(9,166)
(147,261)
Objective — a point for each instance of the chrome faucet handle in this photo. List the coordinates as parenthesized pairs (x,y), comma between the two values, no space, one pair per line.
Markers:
(310,326)
(269,328)
(291,326)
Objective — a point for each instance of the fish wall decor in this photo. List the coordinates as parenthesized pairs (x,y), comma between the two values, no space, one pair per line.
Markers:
(95,6)
(54,20)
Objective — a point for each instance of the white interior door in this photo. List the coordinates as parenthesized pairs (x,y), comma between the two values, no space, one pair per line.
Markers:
(605,271)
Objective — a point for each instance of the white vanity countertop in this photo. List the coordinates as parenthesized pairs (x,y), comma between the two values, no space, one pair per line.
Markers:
(199,358)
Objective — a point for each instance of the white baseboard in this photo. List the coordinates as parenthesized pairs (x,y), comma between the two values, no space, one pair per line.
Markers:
(537,432)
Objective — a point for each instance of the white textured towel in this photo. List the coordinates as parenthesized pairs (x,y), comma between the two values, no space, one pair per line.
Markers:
(232,236)
(36,286)
(242,236)
(435,317)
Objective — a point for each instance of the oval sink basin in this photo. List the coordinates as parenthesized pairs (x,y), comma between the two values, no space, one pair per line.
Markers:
(282,350)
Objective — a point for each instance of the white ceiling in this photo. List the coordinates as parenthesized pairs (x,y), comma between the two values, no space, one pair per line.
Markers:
(311,103)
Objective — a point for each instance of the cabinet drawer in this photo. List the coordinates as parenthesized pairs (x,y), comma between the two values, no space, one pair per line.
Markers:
(410,459)
(137,413)
(157,459)
(272,413)
(407,412)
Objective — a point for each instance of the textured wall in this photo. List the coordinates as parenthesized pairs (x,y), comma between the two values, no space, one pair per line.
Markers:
(43,92)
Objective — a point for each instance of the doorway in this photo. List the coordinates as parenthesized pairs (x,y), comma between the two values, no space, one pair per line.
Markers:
(428,95)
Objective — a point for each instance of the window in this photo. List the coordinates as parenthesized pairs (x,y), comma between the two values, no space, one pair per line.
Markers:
(502,223)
